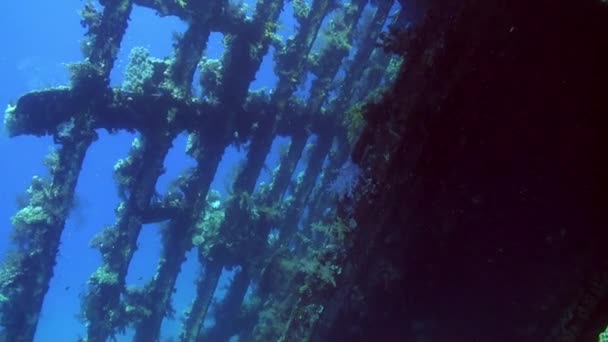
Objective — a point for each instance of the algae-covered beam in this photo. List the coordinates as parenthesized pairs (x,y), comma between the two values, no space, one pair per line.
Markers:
(324,194)
(136,176)
(241,212)
(43,219)
(338,45)
(206,225)
(261,141)
(235,228)
(304,186)
(364,50)
(156,212)
(25,275)
(221,15)
(251,48)
(381,65)
(49,203)
(244,52)
(189,48)
(38,113)
(258,230)
(291,60)
(188,53)
(205,288)
(179,8)
(177,238)
(227,312)
(231,308)
(281,177)
(106,35)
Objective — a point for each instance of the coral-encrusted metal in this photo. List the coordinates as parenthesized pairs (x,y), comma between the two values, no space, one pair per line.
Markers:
(227,113)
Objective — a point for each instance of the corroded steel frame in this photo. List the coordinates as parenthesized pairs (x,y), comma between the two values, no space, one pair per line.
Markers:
(234,115)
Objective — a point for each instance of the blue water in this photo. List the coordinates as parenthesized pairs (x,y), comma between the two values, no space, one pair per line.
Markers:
(37,38)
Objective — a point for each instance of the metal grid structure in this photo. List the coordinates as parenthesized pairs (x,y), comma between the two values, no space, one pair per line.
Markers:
(158,104)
